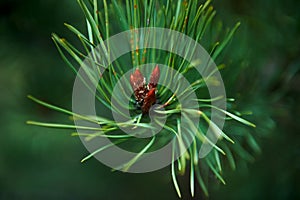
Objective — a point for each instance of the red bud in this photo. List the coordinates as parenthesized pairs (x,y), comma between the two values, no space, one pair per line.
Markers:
(149,100)
(154,77)
(145,96)
(136,79)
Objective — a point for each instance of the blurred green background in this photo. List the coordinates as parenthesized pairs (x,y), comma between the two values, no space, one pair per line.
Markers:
(263,63)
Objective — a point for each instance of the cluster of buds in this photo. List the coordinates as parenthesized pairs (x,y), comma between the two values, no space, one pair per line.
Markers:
(145,93)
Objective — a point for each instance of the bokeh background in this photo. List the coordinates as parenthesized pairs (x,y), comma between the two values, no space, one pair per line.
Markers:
(263,63)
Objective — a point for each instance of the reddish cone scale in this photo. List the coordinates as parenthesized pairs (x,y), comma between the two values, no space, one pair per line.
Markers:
(145,94)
